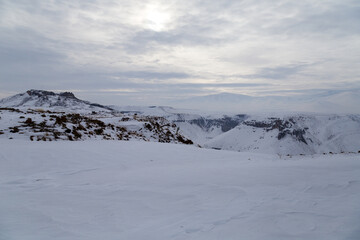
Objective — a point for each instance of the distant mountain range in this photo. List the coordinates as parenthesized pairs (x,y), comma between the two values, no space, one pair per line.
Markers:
(44,115)
(320,102)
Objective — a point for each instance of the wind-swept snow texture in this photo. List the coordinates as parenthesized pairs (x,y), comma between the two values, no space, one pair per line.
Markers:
(135,190)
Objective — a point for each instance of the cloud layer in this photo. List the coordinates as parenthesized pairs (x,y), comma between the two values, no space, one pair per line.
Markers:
(150,52)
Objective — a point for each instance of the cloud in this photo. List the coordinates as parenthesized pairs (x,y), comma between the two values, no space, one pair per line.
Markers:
(330,19)
(280,72)
(150,75)
(28,56)
(166,49)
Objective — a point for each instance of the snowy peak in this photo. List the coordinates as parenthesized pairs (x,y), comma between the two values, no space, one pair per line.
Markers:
(65,101)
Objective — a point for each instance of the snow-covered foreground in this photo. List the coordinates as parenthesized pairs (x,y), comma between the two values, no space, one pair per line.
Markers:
(138,190)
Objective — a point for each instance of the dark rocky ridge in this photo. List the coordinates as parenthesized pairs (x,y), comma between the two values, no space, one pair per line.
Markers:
(40,93)
(67,94)
(226,123)
(285,127)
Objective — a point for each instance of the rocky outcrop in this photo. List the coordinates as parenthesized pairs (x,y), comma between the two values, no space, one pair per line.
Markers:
(285,127)
(40,125)
(40,93)
(226,123)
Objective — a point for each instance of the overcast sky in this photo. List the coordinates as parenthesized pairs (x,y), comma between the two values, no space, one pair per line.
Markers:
(152,52)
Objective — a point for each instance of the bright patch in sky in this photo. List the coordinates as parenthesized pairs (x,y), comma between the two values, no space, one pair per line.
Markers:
(157,18)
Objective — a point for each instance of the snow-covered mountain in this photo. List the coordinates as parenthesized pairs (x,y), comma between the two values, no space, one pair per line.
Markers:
(292,134)
(197,125)
(321,101)
(280,133)
(47,100)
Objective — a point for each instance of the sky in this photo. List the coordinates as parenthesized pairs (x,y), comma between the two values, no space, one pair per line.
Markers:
(155,52)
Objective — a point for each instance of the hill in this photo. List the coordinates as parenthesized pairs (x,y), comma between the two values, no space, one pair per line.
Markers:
(47,100)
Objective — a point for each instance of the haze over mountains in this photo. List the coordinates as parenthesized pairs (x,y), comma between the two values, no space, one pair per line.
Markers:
(322,101)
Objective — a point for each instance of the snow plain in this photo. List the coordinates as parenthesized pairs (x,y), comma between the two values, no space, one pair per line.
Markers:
(144,190)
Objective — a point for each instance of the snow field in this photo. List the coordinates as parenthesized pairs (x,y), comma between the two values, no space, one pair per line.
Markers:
(143,190)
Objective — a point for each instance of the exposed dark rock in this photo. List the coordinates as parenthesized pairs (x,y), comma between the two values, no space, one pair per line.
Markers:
(14,129)
(226,123)
(299,135)
(67,95)
(10,109)
(285,128)
(100,106)
(184,140)
(40,93)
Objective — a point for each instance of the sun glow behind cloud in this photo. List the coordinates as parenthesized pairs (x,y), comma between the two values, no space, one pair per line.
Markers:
(157,17)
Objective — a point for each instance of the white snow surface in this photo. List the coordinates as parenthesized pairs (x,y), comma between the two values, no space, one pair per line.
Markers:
(143,190)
